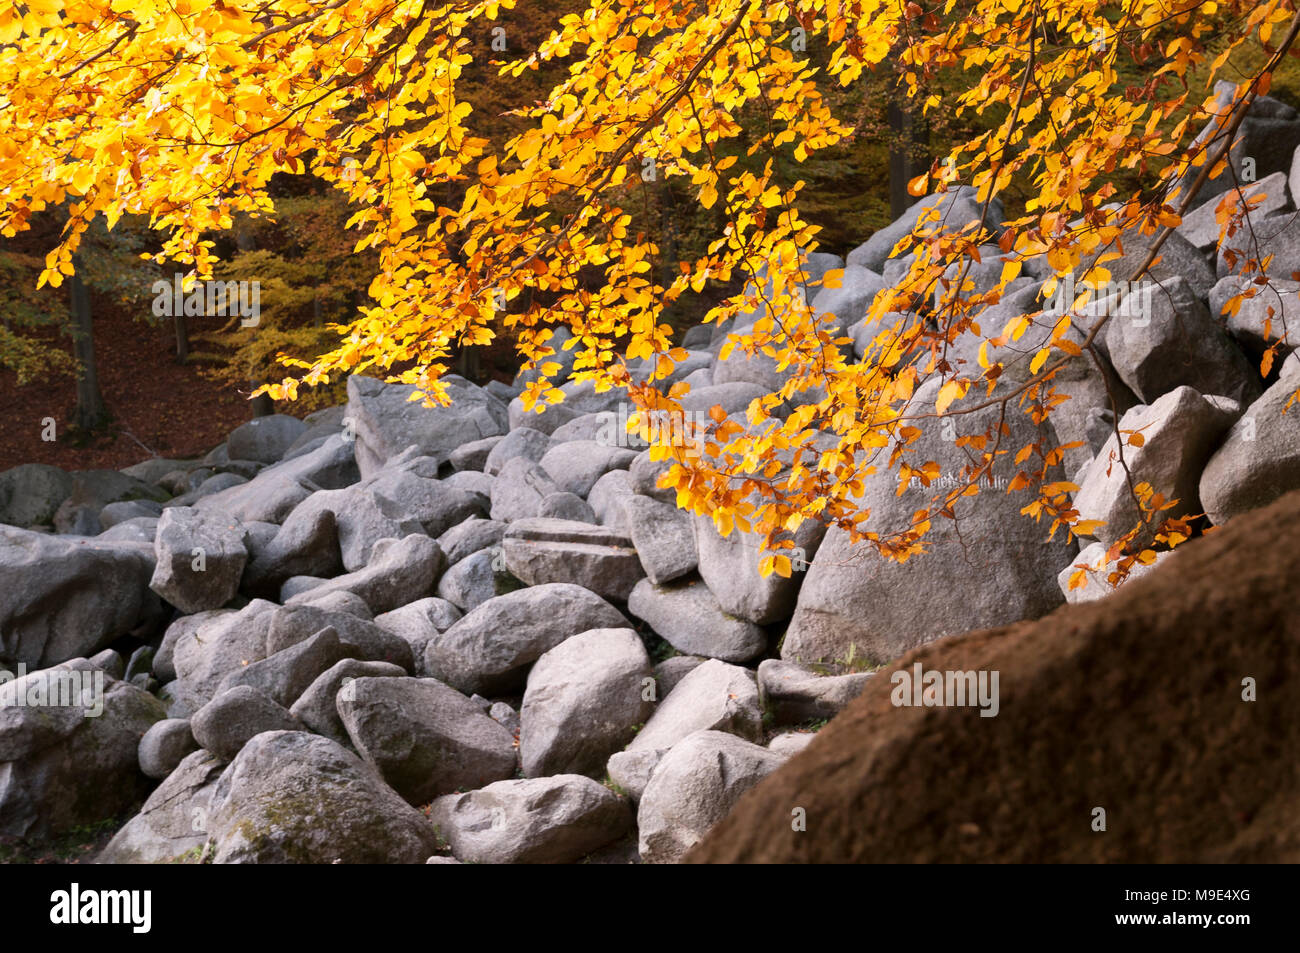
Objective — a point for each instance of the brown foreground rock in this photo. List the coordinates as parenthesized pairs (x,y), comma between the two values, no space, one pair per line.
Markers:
(1133,703)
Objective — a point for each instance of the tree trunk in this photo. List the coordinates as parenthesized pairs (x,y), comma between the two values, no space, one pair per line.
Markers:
(907,144)
(182,336)
(668,231)
(467,363)
(90,411)
(263,405)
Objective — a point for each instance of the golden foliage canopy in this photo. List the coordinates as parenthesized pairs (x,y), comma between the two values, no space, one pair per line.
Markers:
(183,110)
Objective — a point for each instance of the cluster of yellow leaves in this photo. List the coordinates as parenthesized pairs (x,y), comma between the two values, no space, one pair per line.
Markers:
(183,110)
(1136,547)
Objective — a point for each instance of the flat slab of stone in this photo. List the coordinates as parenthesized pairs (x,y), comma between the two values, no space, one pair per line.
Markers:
(540,550)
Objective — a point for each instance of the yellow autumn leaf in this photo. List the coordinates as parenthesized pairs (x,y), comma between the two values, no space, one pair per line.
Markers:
(950,391)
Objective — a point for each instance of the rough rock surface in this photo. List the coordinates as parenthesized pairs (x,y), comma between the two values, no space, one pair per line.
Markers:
(541,550)
(68,765)
(476,579)
(1179,433)
(693,788)
(172,826)
(729,566)
(489,649)
(65,598)
(272,495)
(424,737)
(294,797)
(317,707)
(688,617)
(552,820)
(1030,790)
(1011,575)
(360,638)
(30,494)
(584,700)
(265,439)
(663,536)
(715,696)
(399,572)
(418,624)
(1171,341)
(469,537)
(519,489)
(232,719)
(575,466)
(1259,459)
(794,694)
(200,557)
(286,674)
(386,421)
(165,745)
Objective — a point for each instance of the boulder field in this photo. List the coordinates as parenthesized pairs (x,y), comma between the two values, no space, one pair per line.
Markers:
(482,634)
